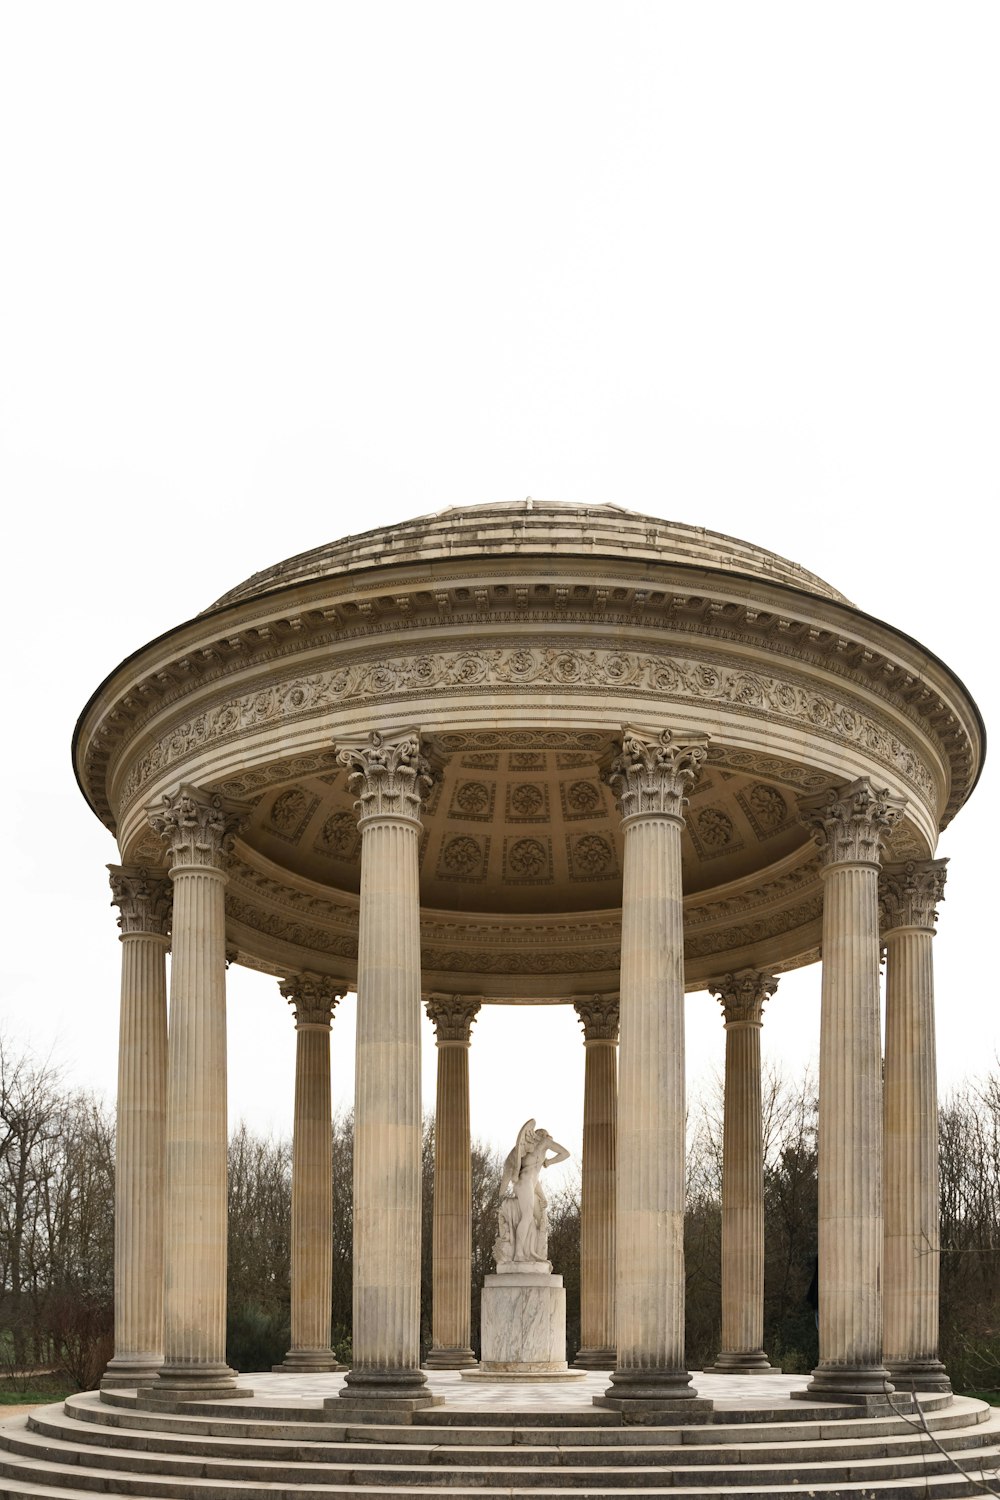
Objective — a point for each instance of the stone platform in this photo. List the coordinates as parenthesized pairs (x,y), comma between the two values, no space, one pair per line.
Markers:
(495,1442)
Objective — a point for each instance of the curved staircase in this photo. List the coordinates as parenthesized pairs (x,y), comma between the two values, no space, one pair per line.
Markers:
(269,1448)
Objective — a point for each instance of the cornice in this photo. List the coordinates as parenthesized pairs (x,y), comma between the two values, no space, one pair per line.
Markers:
(507,665)
(784,622)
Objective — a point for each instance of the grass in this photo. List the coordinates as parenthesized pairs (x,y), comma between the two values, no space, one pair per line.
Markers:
(35,1390)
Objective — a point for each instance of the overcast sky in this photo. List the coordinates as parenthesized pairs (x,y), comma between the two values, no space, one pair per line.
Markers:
(273,274)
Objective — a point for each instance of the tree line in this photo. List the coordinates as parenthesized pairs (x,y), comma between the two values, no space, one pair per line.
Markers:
(57,1230)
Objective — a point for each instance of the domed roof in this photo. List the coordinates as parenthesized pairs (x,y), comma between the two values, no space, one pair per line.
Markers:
(532,528)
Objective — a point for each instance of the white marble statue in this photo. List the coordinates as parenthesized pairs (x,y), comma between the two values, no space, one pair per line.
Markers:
(524,1224)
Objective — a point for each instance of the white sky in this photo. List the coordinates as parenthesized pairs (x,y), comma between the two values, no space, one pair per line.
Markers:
(272,274)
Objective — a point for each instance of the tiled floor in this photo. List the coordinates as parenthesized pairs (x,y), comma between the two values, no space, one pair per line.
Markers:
(770,1391)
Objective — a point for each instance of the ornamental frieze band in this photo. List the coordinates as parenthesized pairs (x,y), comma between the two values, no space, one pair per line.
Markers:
(672,679)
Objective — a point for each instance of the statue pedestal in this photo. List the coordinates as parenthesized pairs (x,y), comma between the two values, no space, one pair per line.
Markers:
(523,1326)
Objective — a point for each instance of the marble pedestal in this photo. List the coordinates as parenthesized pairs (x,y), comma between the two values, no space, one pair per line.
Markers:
(523,1326)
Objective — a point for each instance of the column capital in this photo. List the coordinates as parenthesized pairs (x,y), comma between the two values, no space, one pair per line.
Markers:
(598,1015)
(742,996)
(453,1016)
(143,899)
(651,770)
(198,826)
(909,893)
(314,997)
(850,823)
(391,777)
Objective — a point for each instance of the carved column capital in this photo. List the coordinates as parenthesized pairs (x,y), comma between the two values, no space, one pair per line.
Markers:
(742,996)
(198,826)
(390,777)
(909,893)
(143,900)
(453,1016)
(850,823)
(598,1015)
(314,997)
(651,770)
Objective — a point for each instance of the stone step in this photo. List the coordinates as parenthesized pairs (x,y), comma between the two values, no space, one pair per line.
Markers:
(481,1449)
(725,1414)
(192,1477)
(505,1427)
(47,1482)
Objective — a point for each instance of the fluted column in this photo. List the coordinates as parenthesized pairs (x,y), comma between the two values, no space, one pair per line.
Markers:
(910,893)
(650,776)
(143,901)
(198,829)
(850,826)
(314,998)
(451,1252)
(390,778)
(742,997)
(599,1017)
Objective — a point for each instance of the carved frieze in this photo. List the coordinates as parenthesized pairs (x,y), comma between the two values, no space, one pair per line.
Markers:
(746,934)
(515,961)
(285,929)
(909,893)
(453,1016)
(653,771)
(667,678)
(850,823)
(143,899)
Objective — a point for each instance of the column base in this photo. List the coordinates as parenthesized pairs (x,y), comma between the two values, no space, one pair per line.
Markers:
(645,1395)
(450,1359)
(861,1385)
(383,1392)
(742,1362)
(595,1359)
(177,1382)
(128,1370)
(308,1362)
(919,1375)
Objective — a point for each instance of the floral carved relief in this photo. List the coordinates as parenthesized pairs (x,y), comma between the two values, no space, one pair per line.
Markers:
(463,858)
(667,678)
(527,859)
(591,857)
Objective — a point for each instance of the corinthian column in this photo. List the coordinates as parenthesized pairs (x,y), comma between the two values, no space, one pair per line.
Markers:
(453,1016)
(143,901)
(650,776)
(599,1017)
(314,997)
(198,829)
(910,893)
(850,826)
(390,778)
(742,997)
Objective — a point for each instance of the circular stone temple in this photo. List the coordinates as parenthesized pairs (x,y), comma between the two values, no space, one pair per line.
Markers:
(529,753)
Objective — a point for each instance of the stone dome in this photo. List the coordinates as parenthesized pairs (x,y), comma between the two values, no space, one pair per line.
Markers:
(533,528)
